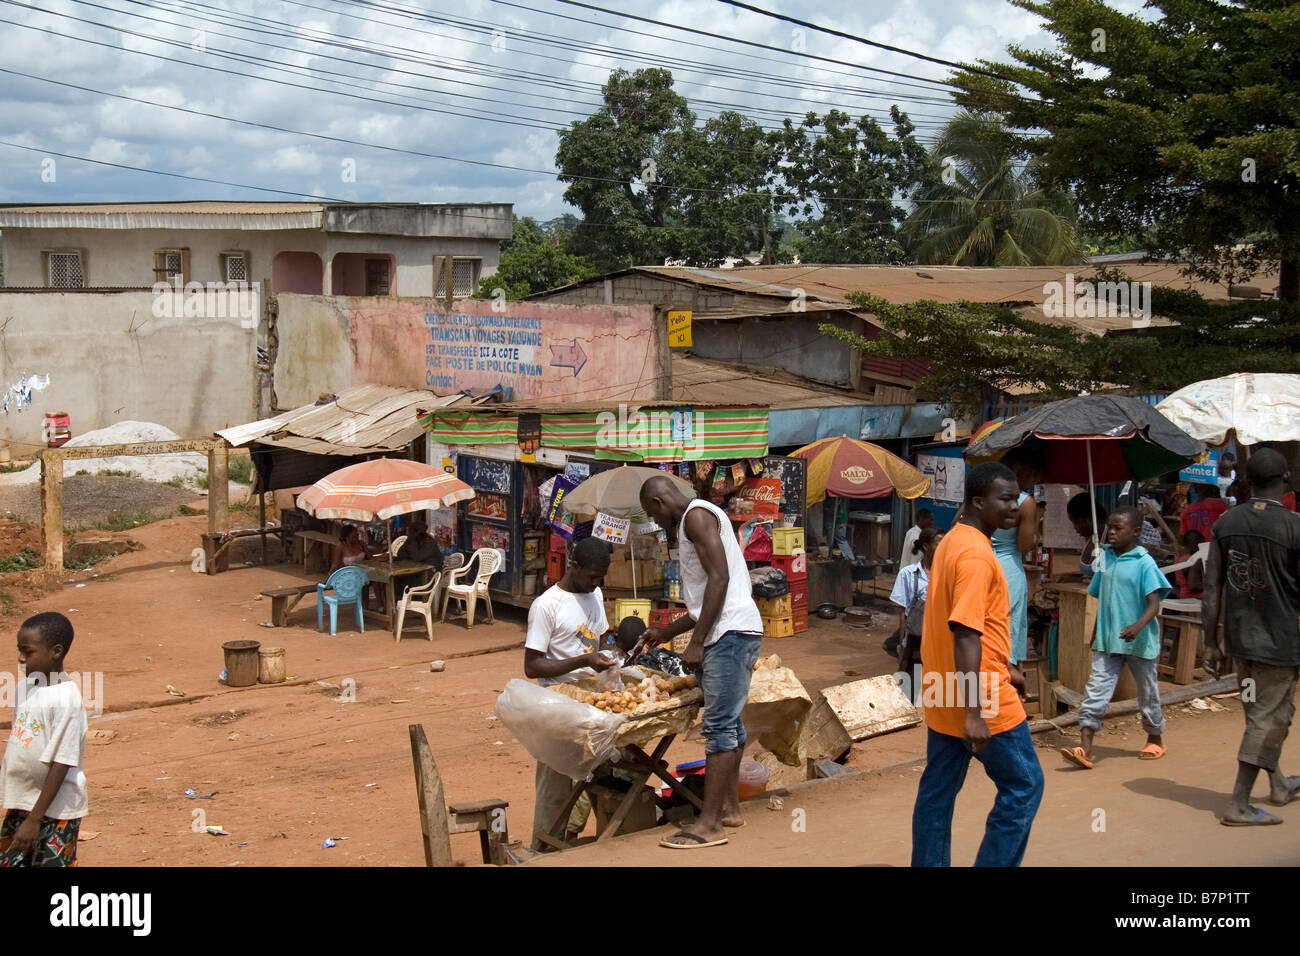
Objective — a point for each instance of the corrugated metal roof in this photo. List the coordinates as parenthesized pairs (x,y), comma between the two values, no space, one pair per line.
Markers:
(362,421)
(699,381)
(579,408)
(826,287)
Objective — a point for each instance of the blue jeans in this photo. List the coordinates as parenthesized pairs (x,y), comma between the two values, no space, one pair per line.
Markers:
(724,679)
(1106,669)
(1011,763)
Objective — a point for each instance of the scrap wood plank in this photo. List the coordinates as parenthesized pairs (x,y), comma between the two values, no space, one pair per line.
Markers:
(873,706)
(433,806)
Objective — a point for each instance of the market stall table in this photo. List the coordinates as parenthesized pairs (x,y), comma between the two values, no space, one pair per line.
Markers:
(665,724)
(316,551)
(389,575)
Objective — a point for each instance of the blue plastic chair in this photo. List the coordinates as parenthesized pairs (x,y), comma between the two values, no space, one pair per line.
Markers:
(348,584)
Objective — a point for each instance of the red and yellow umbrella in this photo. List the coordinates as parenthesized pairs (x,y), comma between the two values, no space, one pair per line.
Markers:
(382,488)
(849,468)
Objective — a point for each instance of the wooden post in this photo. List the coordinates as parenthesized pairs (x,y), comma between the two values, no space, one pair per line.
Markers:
(663,356)
(448,271)
(52,511)
(261,520)
(218,488)
(433,806)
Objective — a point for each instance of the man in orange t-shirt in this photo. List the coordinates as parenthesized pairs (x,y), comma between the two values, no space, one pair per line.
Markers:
(969,687)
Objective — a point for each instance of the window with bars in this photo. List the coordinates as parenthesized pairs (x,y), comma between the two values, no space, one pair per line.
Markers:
(64,270)
(171,263)
(464,279)
(234,266)
(377,278)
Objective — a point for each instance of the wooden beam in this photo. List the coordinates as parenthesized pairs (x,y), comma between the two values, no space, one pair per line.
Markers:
(663,356)
(135,448)
(218,488)
(433,806)
(52,511)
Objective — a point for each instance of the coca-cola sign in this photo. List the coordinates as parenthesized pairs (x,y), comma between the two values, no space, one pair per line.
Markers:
(764,492)
(857,475)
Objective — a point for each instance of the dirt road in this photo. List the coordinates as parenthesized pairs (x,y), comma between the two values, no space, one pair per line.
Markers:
(292,765)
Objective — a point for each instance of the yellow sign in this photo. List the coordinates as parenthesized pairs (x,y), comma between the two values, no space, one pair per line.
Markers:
(679,330)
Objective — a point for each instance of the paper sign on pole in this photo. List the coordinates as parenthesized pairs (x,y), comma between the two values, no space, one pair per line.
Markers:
(679,330)
(610,529)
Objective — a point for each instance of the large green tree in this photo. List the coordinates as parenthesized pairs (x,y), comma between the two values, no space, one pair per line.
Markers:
(534,259)
(843,179)
(976,349)
(987,207)
(1182,118)
(616,162)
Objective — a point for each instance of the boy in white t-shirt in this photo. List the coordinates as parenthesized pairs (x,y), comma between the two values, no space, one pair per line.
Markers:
(42,786)
(565,626)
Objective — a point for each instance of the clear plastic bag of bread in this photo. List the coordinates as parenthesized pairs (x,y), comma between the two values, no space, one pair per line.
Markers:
(565,734)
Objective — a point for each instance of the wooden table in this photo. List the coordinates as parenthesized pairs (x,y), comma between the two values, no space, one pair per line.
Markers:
(317,551)
(1180,630)
(379,573)
(635,761)
(1077,618)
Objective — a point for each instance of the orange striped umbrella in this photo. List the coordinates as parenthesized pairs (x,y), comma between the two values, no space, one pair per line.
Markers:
(849,468)
(382,488)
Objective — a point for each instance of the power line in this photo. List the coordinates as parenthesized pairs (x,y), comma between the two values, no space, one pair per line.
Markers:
(857,39)
(160,172)
(749,43)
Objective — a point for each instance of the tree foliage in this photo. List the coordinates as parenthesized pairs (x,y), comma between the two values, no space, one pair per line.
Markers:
(1182,119)
(654,184)
(976,348)
(534,259)
(987,207)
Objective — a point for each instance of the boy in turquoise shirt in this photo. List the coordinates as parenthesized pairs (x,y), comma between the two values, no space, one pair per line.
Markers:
(1128,587)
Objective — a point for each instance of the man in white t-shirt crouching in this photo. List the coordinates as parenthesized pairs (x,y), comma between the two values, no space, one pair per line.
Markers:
(565,625)
(723,649)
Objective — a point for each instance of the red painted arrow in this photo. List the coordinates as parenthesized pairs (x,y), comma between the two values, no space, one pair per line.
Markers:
(568,356)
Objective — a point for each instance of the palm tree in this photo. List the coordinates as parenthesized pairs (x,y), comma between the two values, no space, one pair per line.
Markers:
(989,208)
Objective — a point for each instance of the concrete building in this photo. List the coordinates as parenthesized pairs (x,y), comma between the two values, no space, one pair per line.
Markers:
(374,249)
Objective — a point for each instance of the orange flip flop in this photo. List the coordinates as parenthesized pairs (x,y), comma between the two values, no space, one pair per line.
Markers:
(1151,752)
(1077,756)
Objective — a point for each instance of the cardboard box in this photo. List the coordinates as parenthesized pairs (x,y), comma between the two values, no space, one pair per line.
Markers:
(641,815)
(619,574)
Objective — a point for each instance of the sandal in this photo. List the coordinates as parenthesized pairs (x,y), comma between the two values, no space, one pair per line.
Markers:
(1260,819)
(1152,752)
(681,840)
(1077,756)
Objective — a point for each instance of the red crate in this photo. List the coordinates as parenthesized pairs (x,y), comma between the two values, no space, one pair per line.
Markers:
(554,567)
(795,566)
(663,616)
(800,619)
(799,597)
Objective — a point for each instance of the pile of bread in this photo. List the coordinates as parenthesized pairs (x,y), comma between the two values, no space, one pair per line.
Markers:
(644,696)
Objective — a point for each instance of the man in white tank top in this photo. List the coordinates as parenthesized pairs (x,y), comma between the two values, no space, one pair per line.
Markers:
(723,649)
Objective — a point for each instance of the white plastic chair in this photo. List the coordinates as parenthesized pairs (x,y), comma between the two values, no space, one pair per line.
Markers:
(488,561)
(451,562)
(411,601)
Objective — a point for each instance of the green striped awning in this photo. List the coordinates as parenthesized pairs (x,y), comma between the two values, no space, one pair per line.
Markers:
(646,435)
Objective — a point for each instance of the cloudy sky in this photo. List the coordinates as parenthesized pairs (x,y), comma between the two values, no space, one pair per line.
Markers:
(480,84)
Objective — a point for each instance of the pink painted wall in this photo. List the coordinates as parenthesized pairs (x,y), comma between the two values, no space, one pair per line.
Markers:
(297,272)
(541,350)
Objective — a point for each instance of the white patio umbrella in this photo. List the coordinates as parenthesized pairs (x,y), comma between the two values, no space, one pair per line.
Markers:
(617,492)
(1258,406)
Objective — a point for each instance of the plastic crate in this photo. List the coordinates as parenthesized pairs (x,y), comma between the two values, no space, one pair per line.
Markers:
(800,621)
(554,566)
(778,627)
(794,566)
(799,597)
(663,616)
(774,607)
(787,540)
(631,607)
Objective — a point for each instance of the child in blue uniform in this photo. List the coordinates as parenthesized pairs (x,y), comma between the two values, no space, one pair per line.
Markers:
(1128,587)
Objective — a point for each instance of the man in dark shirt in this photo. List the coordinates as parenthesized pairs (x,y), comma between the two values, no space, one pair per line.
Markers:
(420,547)
(1252,580)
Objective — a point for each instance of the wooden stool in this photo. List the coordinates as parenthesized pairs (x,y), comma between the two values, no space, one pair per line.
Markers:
(438,821)
(1035,671)
(488,818)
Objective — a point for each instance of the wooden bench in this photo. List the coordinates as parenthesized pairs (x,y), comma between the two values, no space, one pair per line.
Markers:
(487,817)
(284,600)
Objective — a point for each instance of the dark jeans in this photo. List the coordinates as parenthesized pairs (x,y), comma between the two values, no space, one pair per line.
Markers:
(1011,763)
